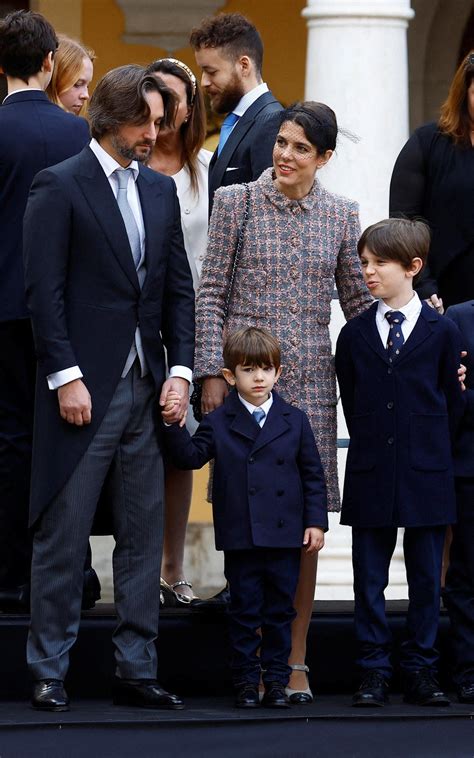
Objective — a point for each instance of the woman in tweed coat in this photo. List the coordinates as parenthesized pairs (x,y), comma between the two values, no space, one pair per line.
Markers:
(299,241)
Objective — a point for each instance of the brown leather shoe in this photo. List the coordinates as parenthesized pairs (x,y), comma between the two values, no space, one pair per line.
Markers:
(144,693)
(49,695)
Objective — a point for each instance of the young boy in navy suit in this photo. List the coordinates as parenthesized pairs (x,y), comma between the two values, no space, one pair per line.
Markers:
(269,498)
(397,370)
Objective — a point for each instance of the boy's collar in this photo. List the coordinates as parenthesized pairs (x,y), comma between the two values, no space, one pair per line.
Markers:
(411,310)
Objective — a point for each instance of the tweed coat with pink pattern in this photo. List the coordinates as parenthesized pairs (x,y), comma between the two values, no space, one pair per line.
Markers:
(294,251)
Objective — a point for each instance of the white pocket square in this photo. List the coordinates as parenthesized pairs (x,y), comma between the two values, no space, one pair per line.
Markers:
(232,168)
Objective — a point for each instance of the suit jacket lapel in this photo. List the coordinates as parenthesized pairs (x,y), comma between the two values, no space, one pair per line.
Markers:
(421,331)
(275,424)
(371,334)
(243,423)
(103,205)
(152,211)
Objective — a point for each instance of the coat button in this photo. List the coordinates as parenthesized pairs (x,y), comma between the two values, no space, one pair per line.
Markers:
(280,492)
(252,491)
(390,405)
(389,371)
(281,523)
(390,441)
(251,460)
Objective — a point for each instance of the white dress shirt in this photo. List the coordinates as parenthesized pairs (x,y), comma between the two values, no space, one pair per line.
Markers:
(264,407)
(411,311)
(247,100)
(109,165)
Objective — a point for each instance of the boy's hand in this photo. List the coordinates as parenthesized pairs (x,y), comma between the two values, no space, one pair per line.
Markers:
(170,406)
(462,371)
(313,538)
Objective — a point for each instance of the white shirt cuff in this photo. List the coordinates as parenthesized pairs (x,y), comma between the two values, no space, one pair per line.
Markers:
(63,377)
(182,372)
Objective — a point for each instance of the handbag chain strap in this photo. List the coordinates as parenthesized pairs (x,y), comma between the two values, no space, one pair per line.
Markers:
(238,250)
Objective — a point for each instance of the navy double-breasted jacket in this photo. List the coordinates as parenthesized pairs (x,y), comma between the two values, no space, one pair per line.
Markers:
(463,317)
(268,482)
(402,419)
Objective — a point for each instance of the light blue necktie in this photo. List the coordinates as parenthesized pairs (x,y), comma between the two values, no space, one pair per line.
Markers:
(258,415)
(226,128)
(131,227)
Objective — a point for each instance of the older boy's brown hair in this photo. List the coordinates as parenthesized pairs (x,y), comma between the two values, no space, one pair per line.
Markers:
(397,239)
(251,346)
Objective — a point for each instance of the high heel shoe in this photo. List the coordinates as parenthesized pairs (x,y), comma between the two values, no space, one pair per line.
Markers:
(170,598)
(299,697)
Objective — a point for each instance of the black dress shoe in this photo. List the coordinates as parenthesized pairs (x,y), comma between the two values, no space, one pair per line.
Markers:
(91,589)
(274,696)
(465,692)
(144,693)
(373,691)
(247,696)
(220,601)
(422,688)
(49,695)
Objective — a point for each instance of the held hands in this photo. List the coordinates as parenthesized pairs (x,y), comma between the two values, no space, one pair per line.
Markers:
(174,400)
(313,538)
(75,404)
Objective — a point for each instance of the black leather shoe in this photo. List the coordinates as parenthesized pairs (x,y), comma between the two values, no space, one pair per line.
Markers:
(144,693)
(49,695)
(373,691)
(91,589)
(220,601)
(422,688)
(247,696)
(465,692)
(274,696)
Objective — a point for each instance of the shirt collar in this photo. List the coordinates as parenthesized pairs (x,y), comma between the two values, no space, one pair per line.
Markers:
(251,408)
(23,89)
(249,98)
(108,163)
(411,310)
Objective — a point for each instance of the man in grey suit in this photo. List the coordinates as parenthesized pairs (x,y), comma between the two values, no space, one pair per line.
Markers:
(229,51)
(108,287)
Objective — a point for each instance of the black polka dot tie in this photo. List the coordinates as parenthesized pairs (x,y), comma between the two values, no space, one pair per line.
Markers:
(395,336)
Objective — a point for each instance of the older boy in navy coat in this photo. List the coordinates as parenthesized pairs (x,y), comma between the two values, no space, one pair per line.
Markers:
(397,370)
(269,498)
(459,590)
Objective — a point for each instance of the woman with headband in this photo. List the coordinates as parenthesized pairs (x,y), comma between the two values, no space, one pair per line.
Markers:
(298,242)
(178,152)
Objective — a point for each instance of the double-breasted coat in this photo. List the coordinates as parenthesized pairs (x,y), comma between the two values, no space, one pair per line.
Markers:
(268,482)
(293,253)
(402,419)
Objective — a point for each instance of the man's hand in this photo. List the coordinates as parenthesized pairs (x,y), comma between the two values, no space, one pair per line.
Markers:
(180,400)
(462,371)
(214,392)
(313,538)
(435,302)
(75,404)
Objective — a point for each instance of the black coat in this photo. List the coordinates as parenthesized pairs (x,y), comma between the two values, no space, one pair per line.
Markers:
(268,483)
(249,149)
(85,300)
(402,419)
(34,134)
(463,317)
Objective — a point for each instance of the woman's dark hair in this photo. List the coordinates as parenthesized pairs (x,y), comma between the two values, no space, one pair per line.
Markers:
(26,38)
(119,98)
(193,131)
(232,32)
(397,239)
(454,117)
(318,122)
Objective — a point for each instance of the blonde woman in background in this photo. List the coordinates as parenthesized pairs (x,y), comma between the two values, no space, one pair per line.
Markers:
(72,75)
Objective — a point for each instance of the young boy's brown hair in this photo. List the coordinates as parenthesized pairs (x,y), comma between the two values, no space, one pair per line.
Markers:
(251,346)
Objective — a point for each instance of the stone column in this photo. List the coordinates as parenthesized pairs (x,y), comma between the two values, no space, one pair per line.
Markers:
(357,63)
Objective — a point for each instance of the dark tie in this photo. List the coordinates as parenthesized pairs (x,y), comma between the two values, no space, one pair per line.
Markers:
(122,175)
(226,129)
(258,415)
(395,336)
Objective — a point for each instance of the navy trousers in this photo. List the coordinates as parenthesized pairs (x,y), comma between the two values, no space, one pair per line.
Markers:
(372,550)
(262,585)
(459,590)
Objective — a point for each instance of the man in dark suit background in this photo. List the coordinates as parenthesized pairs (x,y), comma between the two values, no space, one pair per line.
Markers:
(108,286)
(229,50)
(34,134)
